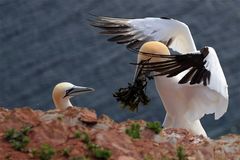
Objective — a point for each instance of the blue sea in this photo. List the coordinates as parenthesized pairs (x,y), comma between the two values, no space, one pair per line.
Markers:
(44,42)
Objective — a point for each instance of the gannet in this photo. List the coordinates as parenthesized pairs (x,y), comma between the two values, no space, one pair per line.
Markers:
(63,91)
(190,84)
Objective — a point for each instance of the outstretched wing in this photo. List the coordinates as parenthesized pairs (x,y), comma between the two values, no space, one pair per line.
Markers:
(197,68)
(135,32)
(172,65)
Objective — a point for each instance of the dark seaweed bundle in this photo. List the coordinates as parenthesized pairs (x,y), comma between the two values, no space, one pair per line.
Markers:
(131,96)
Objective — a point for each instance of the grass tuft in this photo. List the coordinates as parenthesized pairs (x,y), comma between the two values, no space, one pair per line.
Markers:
(97,151)
(18,139)
(83,136)
(79,158)
(66,152)
(134,131)
(154,126)
(46,152)
(148,157)
(181,155)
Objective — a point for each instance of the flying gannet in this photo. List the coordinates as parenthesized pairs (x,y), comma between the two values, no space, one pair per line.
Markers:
(190,83)
(63,91)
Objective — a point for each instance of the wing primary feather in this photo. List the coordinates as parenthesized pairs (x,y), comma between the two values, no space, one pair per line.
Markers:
(134,50)
(159,69)
(135,44)
(114,32)
(106,25)
(120,38)
(171,72)
(188,76)
(166,18)
(166,71)
(200,75)
(161,63)
(169,42)
(197,76)
(176,71)
(206,77)
(124,41)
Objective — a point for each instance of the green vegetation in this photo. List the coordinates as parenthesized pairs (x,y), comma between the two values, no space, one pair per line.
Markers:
(46,152)
(18,139)
(165,158)
(134,131)
(99,152)
(77,134)
(60,117)
(155,126)
(96,151)
(83,136)
(181,153)
(66,152)
(79,158)
(33,152)
(148,157)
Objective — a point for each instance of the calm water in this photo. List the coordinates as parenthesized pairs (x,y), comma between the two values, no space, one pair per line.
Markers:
(48,41)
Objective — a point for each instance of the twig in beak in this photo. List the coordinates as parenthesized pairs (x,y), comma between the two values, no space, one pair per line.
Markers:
(131,96)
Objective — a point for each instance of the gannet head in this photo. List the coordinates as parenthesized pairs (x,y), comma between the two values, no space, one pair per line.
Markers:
(62,93)
(153,47)
(135,94)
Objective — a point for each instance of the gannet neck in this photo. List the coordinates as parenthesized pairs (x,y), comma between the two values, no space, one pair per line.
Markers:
(61,103)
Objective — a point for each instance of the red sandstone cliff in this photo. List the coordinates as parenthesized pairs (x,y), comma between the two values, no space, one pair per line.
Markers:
(59,130)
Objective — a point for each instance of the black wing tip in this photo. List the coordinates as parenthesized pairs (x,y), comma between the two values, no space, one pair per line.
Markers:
(134,50)
(166,18)
(182,82)
(96,16)
(93,18)
(205,51)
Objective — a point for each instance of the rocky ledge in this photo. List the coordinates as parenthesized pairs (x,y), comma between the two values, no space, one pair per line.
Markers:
(78,134)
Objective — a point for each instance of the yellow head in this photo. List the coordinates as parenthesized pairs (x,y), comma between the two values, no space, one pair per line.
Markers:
(62,92)
(153,47)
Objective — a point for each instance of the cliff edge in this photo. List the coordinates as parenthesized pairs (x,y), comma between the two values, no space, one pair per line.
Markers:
(78,134)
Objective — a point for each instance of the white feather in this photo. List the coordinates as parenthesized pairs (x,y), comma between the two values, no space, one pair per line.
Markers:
(163,30)
(185,104)
(217,82)
(209,99)
(191,102)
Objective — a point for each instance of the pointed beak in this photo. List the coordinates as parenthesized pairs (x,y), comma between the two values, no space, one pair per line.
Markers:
(77,90)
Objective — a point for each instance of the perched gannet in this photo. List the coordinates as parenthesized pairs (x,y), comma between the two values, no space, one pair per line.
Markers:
(62,93)
(190,84)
